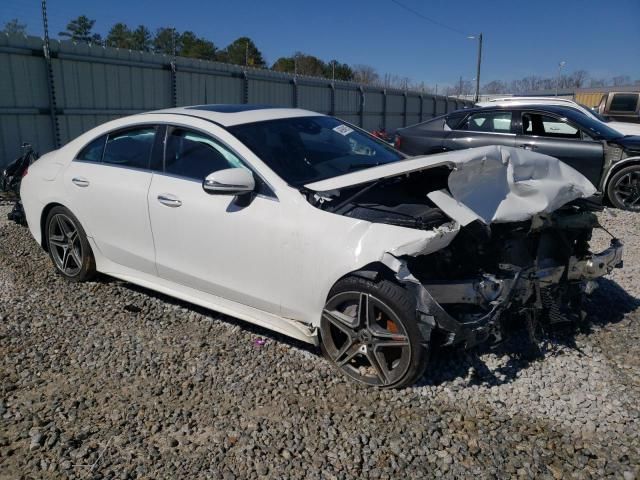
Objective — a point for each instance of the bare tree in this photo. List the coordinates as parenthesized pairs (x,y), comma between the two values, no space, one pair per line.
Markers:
(365,74)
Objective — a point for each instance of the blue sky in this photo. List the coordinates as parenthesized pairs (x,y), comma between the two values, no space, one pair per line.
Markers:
(520,37)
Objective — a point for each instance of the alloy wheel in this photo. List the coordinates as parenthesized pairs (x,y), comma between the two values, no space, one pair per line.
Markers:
(365,338)
(65,245)
(627,190)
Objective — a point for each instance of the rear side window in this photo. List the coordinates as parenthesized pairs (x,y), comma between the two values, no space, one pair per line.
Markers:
(546,126)
(454,120)
(93,151)
(624,102)
(491,122)
(194,155)
(130,148)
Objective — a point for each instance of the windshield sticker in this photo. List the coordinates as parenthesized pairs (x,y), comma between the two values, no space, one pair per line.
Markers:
(343,130)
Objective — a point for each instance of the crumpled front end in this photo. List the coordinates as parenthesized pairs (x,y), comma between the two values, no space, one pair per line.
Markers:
(502,234)
(533,271)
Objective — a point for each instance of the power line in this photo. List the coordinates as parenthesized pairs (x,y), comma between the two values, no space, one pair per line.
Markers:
(428,19)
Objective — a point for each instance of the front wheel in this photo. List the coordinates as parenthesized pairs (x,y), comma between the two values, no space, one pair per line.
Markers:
(369,332)
(624,189)
(68,246)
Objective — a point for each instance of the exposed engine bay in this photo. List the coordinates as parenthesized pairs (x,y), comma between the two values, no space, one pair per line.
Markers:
(536,269)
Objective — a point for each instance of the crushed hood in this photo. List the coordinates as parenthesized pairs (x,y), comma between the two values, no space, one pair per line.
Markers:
(490,184)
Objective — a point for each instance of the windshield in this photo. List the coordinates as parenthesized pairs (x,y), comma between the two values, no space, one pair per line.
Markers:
(308,149)
(592,126)
(595,114)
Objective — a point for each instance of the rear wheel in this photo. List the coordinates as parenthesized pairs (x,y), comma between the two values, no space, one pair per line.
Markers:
(369,332)
(68,246)
(624,188)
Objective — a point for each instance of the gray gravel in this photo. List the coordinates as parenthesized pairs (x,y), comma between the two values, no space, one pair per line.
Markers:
(107,380)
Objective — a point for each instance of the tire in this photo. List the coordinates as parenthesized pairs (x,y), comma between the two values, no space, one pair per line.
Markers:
(383,348)
(68,246)
(623,189)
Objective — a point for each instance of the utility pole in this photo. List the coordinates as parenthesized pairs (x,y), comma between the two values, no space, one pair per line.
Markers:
(479,37)
(560,65)
(460,91)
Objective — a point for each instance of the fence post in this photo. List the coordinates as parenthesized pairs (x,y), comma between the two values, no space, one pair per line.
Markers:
(421,108)
(294,82)
(384,108)
(362,100)
(404,118)
(332,108)
(174,84)
(51,87)
(245,87)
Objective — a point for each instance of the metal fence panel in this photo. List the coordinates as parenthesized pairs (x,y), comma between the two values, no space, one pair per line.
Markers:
(94,84)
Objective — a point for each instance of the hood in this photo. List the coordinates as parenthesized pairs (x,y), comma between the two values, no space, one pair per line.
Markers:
(625,128)
(629,142)
(490,184)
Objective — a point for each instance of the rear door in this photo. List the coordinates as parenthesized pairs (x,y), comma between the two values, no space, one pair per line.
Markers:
(555,136)
(107,184)
(479,129)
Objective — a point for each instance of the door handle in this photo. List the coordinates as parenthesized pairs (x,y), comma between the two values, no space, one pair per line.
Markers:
(80,181)
(527,146)
(169,200)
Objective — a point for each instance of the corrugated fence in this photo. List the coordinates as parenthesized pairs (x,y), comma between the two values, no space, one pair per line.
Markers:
(88,85)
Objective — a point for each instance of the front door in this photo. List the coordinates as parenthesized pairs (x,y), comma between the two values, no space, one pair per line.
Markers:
(219,244)
(554,136)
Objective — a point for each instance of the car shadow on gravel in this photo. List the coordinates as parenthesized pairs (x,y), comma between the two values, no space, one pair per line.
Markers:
(608,304)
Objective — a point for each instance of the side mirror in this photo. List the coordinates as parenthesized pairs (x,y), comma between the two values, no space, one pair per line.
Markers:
(230,181)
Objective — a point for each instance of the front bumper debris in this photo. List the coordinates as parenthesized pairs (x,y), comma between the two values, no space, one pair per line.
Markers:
(598,265)
(520,289)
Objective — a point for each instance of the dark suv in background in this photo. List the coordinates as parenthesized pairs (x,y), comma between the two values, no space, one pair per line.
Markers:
(608,159)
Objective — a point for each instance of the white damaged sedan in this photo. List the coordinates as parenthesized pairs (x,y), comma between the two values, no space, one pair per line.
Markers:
(308,226)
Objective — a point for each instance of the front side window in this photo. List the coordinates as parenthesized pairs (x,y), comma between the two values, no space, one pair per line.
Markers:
(93,151)
(491,122)
(545,126)
(130,148)
(194,155)
(308,149)
(624,102)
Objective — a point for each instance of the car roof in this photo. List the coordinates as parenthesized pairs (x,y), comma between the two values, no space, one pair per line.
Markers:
(236,114)
(557,109)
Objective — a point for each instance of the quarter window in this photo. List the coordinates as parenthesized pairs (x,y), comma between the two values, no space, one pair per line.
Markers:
(491,122)
(93,151)
(130,148)
(194,155)
(546,126)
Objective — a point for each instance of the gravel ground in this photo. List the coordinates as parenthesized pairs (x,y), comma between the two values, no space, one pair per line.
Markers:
(107,380)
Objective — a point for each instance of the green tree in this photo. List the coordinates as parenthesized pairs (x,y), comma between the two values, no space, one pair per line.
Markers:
(14,27)
(284,64)
(242,52)
(80,30)
(342,71)
(141,39)
(119,36)
(195,47)
(165,40)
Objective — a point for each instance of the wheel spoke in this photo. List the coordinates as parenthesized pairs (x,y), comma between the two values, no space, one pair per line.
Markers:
(635,200)
(65,259)
(58,241)
(382,372)
(364,310)
(76,257)
(62,226)
(345,355)
(340,320)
